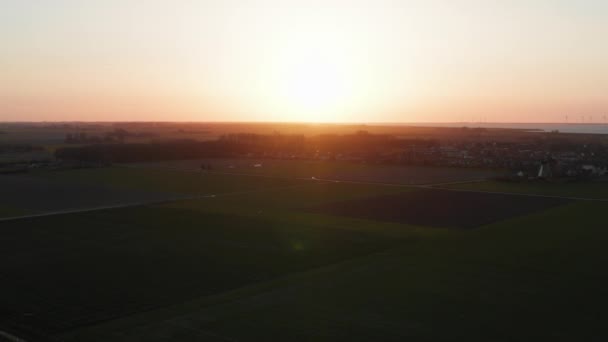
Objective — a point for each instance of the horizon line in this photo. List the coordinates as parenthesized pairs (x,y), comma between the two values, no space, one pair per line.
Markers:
(376,123)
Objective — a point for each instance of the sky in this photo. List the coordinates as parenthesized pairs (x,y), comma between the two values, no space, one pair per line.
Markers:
(312,61)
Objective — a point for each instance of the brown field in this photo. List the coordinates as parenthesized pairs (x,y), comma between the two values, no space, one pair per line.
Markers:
(440,208)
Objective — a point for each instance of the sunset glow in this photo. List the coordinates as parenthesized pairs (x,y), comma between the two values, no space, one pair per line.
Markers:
(318,61)
(313,80)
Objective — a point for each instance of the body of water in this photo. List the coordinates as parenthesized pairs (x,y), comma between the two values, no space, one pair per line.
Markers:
(547,127)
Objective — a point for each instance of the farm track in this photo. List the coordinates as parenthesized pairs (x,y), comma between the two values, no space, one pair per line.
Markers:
(435,186)
(140,203)
(4,336)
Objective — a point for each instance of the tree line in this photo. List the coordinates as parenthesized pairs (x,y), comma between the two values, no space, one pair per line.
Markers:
(234,145)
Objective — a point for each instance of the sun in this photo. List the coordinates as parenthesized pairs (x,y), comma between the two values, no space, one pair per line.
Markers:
(313,81)
(315,89)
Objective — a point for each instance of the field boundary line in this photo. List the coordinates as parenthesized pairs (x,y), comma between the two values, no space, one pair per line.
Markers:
(572,198)
(459,182)
(11,337)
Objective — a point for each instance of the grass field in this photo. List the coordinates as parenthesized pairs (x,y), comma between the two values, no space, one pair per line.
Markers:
(162,180)
(8,211)
(24,193)
(597,190)
(259,262)
(346,171)
(49,191)
(531,278)
(136,259)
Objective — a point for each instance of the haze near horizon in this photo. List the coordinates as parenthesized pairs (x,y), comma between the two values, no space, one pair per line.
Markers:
(305,61)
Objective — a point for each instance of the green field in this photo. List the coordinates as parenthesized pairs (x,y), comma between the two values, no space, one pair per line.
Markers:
(336,170)
(595,190)
(255,263)
(510,281)
(168,181)
(7,211)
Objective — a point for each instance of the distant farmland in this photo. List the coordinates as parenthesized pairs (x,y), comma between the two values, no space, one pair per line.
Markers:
(346,171)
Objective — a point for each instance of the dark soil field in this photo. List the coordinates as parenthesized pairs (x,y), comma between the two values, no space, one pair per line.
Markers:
(441,208)
(35,195)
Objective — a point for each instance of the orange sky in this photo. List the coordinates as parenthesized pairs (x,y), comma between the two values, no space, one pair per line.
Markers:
(281,60)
